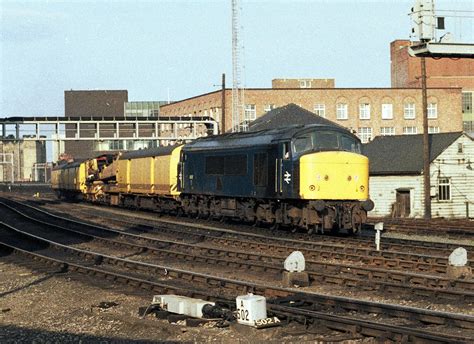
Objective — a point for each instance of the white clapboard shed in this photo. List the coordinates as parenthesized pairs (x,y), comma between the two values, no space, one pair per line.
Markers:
(396,175)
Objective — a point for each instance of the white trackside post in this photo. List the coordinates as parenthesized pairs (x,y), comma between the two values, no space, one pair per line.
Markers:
(378,228)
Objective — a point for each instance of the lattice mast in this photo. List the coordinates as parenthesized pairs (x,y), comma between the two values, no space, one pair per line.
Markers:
(237,90)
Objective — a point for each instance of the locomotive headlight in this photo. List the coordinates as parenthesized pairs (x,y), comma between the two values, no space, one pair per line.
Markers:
(312,188)
(362,188)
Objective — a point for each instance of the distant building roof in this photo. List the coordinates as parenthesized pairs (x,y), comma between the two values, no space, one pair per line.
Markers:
(288,115)
(403,154)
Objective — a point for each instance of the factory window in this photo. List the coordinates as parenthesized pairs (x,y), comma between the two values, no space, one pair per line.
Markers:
(467,102)
(305,83)
(365,134)
(432,110)
(387,131)
(320,110)
(260,169)
(410,130)
(444,189)
(250,112)
(341,111)
(433,130)
(228,165)
(364,111)
(387,111)
(409,111)
(269,107)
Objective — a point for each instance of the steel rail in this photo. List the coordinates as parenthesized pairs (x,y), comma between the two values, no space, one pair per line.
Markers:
(361,326)
(410,245)
(387,259)
(347,275)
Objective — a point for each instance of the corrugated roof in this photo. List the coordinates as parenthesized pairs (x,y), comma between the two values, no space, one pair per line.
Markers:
(403,154)
(288,115)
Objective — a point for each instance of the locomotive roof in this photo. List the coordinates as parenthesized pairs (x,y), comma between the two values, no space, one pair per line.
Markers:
(261,137)
(144,153)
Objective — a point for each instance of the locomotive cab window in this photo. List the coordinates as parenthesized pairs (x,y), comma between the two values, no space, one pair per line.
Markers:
(325,140)
(302,144)
(286,150)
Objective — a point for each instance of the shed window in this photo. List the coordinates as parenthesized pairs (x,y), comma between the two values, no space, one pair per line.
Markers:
(444,189)
(260,169)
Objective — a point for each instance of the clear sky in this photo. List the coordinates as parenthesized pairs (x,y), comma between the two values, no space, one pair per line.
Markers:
(181,48)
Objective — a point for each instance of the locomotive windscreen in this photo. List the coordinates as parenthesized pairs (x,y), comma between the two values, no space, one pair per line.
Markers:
(325,140)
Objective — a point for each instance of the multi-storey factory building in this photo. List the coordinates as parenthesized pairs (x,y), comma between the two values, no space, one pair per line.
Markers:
(368,111)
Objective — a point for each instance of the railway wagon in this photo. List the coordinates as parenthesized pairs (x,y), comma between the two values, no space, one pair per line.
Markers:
(69,180)
(148,178)
(312,177)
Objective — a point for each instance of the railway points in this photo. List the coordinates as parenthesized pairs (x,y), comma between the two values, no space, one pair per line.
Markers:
(129,246)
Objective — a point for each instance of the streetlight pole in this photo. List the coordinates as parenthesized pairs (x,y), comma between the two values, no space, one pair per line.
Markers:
(426,143)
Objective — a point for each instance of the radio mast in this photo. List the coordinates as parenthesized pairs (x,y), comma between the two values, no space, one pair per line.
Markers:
(238,102)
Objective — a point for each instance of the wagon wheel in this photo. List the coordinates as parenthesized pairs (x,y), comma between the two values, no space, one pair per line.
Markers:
(312,228)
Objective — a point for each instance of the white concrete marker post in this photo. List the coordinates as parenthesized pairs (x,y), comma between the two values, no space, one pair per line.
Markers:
(294,273)
(378,228)
(458,267)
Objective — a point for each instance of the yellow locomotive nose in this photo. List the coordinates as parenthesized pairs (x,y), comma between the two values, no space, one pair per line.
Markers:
(334,176)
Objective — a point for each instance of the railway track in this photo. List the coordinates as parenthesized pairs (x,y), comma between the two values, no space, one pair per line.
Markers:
(388,244)
(460,228)
(338,313)
(313,251)
(367,278)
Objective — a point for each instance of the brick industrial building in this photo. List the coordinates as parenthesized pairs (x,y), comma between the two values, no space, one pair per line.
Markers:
(368,111)
(445,72)
(103,103)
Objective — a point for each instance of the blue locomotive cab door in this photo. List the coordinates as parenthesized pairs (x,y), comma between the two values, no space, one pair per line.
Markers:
(283,171)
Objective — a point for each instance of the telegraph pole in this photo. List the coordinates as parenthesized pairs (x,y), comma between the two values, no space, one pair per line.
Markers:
(426,143)
(426,23)
(222,129)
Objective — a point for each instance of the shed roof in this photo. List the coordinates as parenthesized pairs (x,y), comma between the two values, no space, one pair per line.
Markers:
(403,154)
(288,115)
